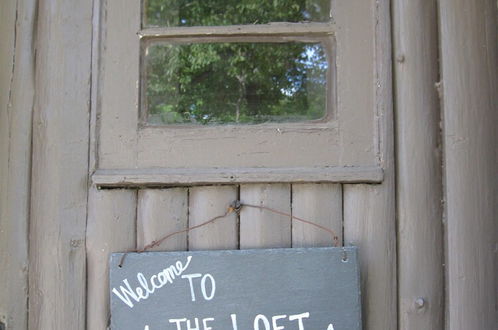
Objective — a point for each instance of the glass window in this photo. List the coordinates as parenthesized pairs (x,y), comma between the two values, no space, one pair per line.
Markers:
(162,13)
(235,82)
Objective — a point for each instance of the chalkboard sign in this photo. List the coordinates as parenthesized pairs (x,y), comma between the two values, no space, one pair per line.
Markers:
(276,289)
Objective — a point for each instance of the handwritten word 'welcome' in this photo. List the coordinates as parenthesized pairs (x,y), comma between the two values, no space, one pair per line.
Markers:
(148,287)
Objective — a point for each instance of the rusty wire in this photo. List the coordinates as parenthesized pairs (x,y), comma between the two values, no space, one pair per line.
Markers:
(236,207)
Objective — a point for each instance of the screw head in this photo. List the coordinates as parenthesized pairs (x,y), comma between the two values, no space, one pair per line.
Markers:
(419,303)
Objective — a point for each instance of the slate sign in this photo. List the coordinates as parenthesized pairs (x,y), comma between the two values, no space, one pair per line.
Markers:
(275,289)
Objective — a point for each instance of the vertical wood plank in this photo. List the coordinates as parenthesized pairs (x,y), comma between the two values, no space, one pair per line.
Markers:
(419,180)
(261,228)
(57,266)
(469,52)
(322,204)
(206,203)
(369,210)
(162,212)
(16,103)
(111,228)
(118,86)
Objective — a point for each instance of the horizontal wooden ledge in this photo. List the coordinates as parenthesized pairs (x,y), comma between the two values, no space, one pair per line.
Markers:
(128,178)
(234,30)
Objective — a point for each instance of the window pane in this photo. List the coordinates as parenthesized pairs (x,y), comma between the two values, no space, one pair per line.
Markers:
(235,83)
(233,12)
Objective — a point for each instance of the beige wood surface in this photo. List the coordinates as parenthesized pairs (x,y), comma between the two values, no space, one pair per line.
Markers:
(238,30)
(419,180)
(355,66)
(321,204)
(180,176)
(111,228)
(161,212)
(469,52)
(369,210)
(261,228)
(16,104)
(118,84)
(348,139)
(57,274)
(206,203)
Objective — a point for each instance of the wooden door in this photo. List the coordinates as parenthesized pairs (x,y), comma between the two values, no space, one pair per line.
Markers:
(150,181)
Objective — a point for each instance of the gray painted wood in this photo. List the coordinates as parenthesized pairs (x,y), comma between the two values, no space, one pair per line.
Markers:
(280,285)
(321,204)
(16,104)
(419,180)
(174,177)
(111,228)
(469,52)
(206,203)
(162,212)
(261,228)
(57,277)
(369,210)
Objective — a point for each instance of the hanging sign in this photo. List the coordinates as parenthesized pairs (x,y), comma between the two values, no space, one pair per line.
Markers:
(275,289)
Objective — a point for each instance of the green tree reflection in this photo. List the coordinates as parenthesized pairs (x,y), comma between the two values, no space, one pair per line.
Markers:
(216,83)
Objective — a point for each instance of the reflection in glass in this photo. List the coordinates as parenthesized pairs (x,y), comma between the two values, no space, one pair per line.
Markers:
(232,12)
(232,83)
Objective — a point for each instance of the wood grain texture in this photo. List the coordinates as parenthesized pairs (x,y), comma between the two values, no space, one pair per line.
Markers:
(111,228)
(369,210)
(17,19)
(322,204)
(57,277)
(419,180)
(206,203)
(469,52)
(181,176)
(118,87)
(262,228)
(281,28)
(161,212)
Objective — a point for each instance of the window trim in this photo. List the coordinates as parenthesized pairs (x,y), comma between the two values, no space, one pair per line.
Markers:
(352,142)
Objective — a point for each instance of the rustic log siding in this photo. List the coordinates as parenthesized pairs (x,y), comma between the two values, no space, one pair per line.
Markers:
(17,64)
(419,180)
(469,50)
(59,223)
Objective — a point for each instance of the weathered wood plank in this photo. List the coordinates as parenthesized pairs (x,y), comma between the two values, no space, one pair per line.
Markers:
(57,277)
(261,228)
(16,103)
(182,176)
(251,30)
(206,203)
(369,210)
(322,204)
(419,180)
(469,52)
(162,212)
(111,228)
(17,19)
(118,87)
(355,66)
